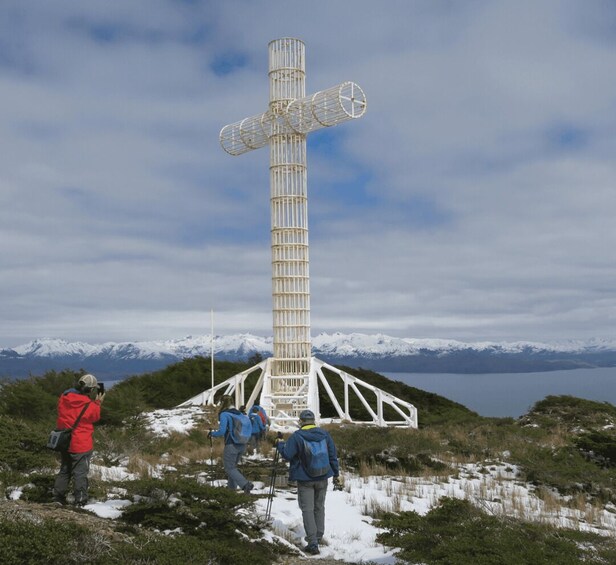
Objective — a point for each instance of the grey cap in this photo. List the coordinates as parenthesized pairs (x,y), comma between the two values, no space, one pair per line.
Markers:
(87,381)
(307,416)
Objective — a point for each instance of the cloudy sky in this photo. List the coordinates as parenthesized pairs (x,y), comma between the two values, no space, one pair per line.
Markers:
(475,200)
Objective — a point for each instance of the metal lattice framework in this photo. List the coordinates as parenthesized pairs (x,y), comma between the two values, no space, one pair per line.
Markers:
(327,108)
(290,379)
(374,406)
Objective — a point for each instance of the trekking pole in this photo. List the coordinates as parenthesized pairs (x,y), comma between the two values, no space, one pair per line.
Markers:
(270,496)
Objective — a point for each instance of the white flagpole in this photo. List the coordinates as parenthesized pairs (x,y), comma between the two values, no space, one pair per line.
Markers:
(212,345)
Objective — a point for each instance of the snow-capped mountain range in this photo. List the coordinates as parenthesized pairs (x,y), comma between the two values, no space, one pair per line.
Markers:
(379,352)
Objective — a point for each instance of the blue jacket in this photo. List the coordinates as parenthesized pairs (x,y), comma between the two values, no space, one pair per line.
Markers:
(225,426)
(290,450)
(264,417)
(257,424)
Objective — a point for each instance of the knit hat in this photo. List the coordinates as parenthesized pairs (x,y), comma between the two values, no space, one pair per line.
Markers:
(87,382)
(307,416)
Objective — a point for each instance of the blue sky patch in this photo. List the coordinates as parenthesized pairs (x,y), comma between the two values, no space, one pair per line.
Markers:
(325,141)
(226,63)
(567,137)
(109,32)
(421,211)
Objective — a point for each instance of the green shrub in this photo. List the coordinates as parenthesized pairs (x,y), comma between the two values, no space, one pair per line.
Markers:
(38,488)
(124,402)
(397,449)
(221,519)
(22,445)
(27,400)
(575,414)
(457,533)
(45,542)
(112,444)
(168,550)
(190,550)
(564,468)
(35,398)
(600,446)
(55,383)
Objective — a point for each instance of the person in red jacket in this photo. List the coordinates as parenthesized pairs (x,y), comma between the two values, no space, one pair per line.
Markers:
(75,463)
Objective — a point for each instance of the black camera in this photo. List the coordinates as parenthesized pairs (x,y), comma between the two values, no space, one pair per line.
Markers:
(101,388)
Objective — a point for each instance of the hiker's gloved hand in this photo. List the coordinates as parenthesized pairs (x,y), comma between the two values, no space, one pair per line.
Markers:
(209,435)
(337,484)
(278,438)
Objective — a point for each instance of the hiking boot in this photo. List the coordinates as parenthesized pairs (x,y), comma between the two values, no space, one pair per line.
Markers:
(248,487)
(312,549)
(59,500)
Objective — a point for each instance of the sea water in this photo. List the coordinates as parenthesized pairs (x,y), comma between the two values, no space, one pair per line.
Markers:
(513,394)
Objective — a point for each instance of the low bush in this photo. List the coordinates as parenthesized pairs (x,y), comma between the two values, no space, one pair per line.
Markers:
(222,519)
(47,541)
(575,414)
(457,533)
(38,488)
(22,445)
(36,398)
(598,446)
(395,449)
(566,469)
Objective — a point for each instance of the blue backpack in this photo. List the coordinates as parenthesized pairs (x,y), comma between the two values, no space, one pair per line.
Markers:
(315,457)
(241,429)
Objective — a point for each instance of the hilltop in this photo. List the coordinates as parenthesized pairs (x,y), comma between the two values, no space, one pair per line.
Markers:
(537,490)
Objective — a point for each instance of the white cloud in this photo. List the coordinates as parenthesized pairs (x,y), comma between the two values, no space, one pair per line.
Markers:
(484,170)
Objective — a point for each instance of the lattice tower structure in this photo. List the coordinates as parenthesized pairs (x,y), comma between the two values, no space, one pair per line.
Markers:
(289,216)
(290,383)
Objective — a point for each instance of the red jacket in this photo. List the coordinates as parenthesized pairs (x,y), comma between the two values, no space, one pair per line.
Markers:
(70,405)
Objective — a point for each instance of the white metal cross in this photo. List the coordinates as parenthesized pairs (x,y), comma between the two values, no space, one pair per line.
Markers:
(289,380)
(290,117)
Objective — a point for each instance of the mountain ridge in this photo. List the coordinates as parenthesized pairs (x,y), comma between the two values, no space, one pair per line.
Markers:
(376,352)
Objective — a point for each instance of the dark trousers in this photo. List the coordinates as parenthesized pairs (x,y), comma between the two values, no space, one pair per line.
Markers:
(77,466)
(255,439)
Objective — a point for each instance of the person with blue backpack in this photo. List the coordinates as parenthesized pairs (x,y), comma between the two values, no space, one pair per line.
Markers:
(258,427)
(312,457)
(236,428)
(264,417)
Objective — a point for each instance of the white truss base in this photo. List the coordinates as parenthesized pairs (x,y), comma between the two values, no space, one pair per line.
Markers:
(283,404)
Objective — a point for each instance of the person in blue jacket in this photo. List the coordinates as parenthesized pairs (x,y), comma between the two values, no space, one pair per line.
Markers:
(311,490)
(233,451)
(264,417)
(258,427)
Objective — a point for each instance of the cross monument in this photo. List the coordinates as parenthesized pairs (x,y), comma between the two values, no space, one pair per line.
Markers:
(289,380)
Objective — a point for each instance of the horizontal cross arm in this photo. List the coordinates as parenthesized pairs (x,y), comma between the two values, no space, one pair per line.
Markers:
(325,108)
